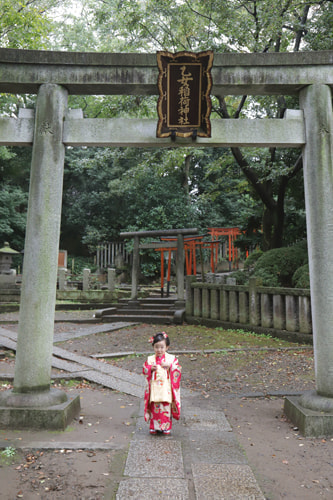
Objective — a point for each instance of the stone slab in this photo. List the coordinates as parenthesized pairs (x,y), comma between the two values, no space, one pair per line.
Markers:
(212,447)
(142,430)
(310,423)
(55,417)
(200,419)
(59,445)
(113,383)
(163,489)
(157,457)
(225,482)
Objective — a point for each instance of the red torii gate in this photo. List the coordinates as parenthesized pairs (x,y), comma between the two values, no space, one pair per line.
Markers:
(232,233)
(191,243)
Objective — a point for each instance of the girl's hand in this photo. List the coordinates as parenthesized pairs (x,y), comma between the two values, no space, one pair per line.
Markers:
(153,368)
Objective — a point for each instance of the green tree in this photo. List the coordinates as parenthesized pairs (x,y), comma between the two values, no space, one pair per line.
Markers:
(25,24)
(238,25)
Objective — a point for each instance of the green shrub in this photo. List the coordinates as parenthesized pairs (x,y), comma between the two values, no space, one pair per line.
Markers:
(277,267)
(242,277)
(301,277)
(80,263)
(252,259)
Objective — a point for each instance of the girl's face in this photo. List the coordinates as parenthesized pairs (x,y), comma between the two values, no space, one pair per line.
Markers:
(160,348)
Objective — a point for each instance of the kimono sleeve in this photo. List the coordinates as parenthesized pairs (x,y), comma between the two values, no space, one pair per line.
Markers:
(175,377)
(148,375)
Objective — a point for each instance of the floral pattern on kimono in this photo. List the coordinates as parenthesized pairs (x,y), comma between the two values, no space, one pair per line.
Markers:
(160,413)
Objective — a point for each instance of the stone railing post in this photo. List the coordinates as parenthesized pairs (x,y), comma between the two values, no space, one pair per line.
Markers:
(292,324)
(279,312)
(135,268)
(243,299)
(304,309)
(180,268)
(233,306)
(214,304)
(254,303)
(86,278)
(111,279)
(197,303)
(189,306)
(266,310)
(224,304)
(205,302)
(62,278)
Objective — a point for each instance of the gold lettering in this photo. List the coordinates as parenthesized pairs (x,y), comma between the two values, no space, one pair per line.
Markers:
(184,93)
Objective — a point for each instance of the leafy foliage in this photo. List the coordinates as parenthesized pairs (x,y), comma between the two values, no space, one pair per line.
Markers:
(252,259)
(277,266)
(301,277)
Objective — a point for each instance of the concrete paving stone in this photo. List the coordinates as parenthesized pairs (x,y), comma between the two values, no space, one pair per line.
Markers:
(152,489)
(155,458)
(113,383)
(59,445)
(7,342)
(201,419)
(142,431)
(91,330)
(62,364)
(100,366)
(212,447)
(225,482)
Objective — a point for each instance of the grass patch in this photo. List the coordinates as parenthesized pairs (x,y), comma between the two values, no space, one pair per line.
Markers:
(8,456)
(201,337)
(71,383)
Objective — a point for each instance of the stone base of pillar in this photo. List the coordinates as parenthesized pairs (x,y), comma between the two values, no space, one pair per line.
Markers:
(311,422)
(24,411)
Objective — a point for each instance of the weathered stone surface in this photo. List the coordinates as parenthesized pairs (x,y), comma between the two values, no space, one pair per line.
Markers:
(163,489)
(38,295)
(103,73)
(200,419)
(210,446)
(311,423)
(55,417)
(225,481)
(157,457)
(316,101)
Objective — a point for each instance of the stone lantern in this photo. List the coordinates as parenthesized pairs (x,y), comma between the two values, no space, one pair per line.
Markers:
(7,275)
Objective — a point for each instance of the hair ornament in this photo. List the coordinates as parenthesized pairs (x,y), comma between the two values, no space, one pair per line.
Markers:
(164,335)
(151,340)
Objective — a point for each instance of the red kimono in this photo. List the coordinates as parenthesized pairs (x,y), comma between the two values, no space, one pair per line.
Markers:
(160,413)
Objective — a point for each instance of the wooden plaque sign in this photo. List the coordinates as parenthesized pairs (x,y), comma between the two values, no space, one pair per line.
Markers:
(184,84)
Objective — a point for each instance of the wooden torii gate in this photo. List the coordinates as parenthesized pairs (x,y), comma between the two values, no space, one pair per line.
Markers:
(52,126)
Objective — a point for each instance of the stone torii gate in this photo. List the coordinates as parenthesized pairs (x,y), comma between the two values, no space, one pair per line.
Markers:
(54,75)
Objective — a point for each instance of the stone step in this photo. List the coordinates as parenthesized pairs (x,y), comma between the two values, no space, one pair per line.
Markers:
(150,301)
(166,319)
(144,310)
(147,305)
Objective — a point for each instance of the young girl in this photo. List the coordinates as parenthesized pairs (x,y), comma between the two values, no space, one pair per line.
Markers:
(162,393)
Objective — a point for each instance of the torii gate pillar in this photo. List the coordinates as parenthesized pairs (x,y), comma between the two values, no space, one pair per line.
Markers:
(313,411)
(32,403)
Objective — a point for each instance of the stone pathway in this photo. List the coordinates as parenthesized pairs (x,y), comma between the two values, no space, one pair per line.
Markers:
(200,460)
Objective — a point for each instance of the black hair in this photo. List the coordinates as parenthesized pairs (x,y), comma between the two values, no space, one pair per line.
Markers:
(161,336)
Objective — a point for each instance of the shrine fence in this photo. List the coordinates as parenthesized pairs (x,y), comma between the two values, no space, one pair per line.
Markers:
(280,312)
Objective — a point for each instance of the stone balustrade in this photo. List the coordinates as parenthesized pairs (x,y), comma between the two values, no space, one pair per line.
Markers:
(282,312)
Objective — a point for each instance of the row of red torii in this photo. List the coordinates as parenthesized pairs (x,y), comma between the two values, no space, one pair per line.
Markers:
(194,243)
(185,242)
